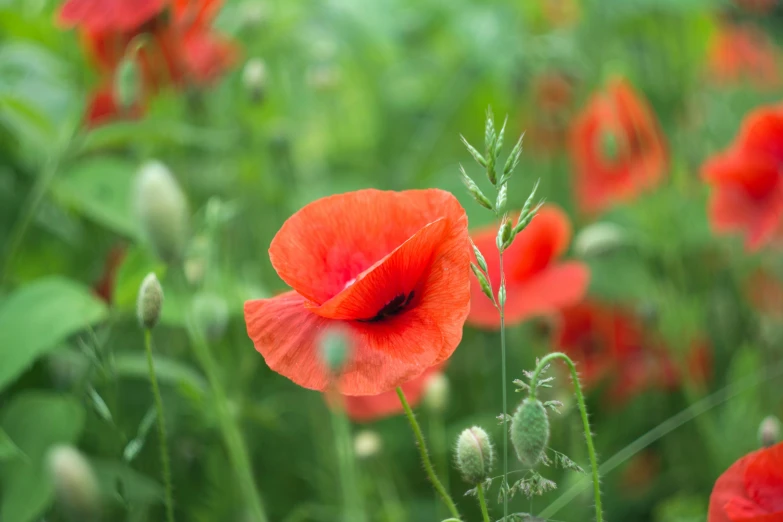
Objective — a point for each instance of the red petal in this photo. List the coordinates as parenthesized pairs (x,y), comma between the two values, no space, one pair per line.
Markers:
(207,55)
(101,15)
(397,274)
(764,479)
(762,133)
(329,242)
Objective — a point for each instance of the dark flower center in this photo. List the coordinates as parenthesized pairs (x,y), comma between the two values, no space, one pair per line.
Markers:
(392,308)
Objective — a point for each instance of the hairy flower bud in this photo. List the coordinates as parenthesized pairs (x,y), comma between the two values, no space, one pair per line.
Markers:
(162,210)
(74,481)
(598,239)
(436,392)
(366,444)
(211,314)
(474,455)
(530,432)
(254,78)
(769,431)
(149,301)
(335,350)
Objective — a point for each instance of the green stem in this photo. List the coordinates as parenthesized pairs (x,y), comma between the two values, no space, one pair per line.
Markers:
(501,309)
(342,438)
(585,422)
(425,458)
(232,436)
(164,450)
(482,502)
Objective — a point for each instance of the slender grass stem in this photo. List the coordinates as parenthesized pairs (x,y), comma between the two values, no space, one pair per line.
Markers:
(425,457)
(352,504)
(232,436)
(585,422)
(501,309)
(482,502)
(164,450)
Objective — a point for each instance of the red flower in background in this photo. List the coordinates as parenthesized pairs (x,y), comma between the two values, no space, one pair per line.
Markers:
(747,188)
(368,408)
(617,148)
(391,268)
(170,43)
(765,293)
(751,490)
(740,53)
(536,283)
(551,112)
(608,343)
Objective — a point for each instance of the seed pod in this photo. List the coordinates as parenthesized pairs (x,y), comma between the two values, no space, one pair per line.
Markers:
(474,455)
(769,431)
(436,392)
(149,302)
(75,485)
(530,432)
(162,211)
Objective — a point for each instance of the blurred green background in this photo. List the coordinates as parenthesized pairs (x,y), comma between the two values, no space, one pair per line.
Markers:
(357,94)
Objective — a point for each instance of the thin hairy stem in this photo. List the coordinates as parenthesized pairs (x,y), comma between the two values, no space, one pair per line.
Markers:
(232,436)
(585,422)
(342,438)
(425,457)
(482,502)
(164,450)
(501,309)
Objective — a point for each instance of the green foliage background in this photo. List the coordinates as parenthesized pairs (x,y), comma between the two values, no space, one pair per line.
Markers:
(358,94)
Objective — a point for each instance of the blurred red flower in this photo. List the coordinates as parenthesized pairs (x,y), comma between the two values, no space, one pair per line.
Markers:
(171,46)
(747,189)
(108,15)
(391,268)
(740,53)
(552,98)
(617,148)
(368,408)
(751,490)
(536,283)
(765,293)
(608,343)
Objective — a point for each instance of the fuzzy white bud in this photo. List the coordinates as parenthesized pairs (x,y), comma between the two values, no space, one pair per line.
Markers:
(254,78)
(74,481)
(367,444)
(149,302)
(769,431)
(598,238)
(436,392)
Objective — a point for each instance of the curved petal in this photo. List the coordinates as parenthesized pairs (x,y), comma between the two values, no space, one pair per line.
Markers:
(100,15)
(757,176)
(330,242)
(764,479)
(287,335)
(762,132)
(395,276)
(729,493)
(731,210)
(556,287)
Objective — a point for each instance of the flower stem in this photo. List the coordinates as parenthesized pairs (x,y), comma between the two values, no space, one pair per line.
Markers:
(425,458)
(232,436)
(482,502)
(585,422)
(501,309)
(164,450)
(350,490)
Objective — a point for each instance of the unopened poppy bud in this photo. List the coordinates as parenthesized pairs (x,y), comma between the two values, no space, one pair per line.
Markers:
(335,350)
(127,83)
(254,78)
(211,314)
(474,455)
(366,444)
(75,485)
(149,301)
(530,432)
(436,392)
(598,239)
(162,210)
(769,431)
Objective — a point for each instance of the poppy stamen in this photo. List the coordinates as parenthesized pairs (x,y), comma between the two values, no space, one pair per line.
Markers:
(392,308)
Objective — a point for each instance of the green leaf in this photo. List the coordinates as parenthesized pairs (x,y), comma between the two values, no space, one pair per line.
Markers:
(137,489)
(34,421)
(8,449)
(38,317)
(99,189)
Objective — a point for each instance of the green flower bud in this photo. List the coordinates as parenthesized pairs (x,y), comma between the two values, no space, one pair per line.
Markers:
(75,485)
(149,301)
(162,211)
(474,455)
(367,444)
(530,432)
(599,239)
(769,431)
(254,78)
(335,350)
(436,392)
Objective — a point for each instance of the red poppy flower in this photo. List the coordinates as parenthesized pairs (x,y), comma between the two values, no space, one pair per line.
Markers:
(743,53)
(617,148)
(536,283)
(747,193)
(608,343)
(109,15)
(751,490)
(392,268)
(368,408)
